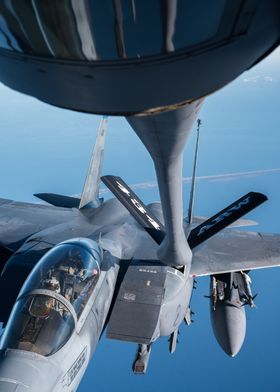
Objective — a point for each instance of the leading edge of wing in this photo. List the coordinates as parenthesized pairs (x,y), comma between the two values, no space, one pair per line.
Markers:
(236,250)
(19,220)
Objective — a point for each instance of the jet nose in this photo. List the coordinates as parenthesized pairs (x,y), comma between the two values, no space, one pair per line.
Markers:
(229,326)
(22,371)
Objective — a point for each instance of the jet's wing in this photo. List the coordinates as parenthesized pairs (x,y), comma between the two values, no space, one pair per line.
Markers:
(236,250)
(20,220)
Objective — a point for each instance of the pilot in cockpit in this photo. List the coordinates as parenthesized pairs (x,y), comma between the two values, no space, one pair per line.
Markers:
(52,284)
(41,306)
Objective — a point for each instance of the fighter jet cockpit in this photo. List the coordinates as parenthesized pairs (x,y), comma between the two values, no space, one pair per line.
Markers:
(53,298)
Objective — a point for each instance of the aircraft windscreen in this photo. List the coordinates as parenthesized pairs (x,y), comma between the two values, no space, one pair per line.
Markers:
(69,270)
(40,324)
(53,298)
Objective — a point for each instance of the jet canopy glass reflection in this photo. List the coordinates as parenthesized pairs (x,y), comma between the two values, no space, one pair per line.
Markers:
(53,298)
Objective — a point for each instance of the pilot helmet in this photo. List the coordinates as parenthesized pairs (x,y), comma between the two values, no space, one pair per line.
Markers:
(52,284)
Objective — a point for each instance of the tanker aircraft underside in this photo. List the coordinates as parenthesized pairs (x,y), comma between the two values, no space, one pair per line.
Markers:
(82,264)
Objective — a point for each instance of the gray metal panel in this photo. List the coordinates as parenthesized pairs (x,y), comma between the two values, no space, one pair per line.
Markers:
(236,250)
(133,322)
(20,220)
(136,312)
(132,85)
(7,386)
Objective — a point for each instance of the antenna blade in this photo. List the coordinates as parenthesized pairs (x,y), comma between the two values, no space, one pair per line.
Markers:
(90,194)
(192,193)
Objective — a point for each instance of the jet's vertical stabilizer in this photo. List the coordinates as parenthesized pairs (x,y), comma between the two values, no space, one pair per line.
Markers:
(90,195)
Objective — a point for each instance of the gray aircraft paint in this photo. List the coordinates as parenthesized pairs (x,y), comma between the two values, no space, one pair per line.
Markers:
(121,238)
(133,63)
(90,194)
(162,82)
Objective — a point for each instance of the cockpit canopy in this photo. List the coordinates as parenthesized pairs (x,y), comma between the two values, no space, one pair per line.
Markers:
(71,270)
(54,297)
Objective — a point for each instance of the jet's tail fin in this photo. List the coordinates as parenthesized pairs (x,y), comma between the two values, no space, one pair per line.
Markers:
(90,194)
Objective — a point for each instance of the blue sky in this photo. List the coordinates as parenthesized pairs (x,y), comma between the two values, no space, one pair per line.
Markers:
(46,149)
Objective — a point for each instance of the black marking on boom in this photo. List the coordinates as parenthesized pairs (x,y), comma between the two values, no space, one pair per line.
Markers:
(200,233)
(135,206)
(225,217)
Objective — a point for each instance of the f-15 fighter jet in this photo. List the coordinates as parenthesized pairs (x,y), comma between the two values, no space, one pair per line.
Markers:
(78,264)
